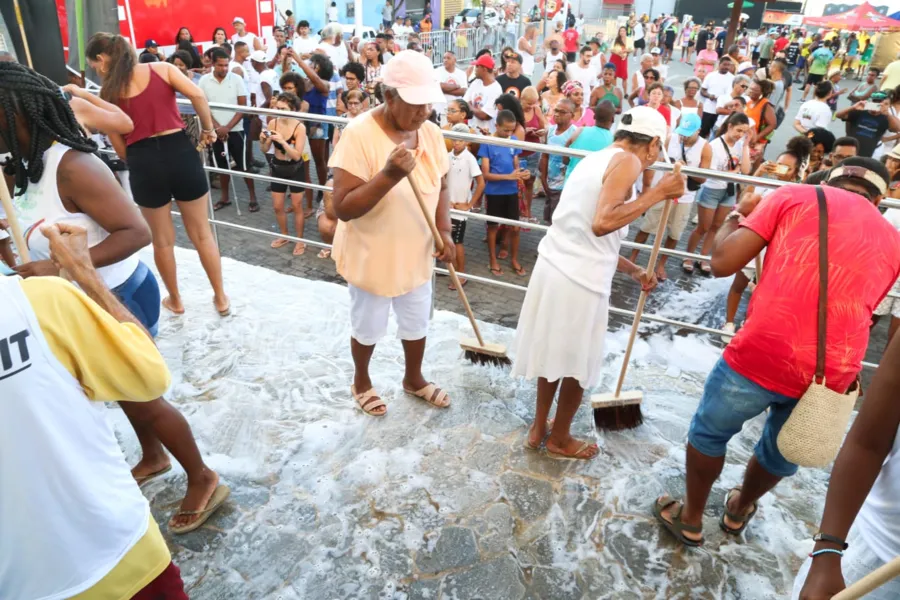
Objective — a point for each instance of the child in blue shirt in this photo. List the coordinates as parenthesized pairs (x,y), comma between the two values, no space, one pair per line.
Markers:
(502,176)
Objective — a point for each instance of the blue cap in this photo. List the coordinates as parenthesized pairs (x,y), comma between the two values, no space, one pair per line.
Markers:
(773,31)
(690,124)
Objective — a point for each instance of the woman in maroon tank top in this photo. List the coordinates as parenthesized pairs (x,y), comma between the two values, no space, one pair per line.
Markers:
(535,131)
(162,161)
(164,164)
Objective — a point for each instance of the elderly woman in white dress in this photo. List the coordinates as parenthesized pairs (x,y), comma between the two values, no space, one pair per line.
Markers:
(562,327)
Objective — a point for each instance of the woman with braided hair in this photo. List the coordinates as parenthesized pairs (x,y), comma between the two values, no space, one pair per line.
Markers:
(162,161)
(59,179)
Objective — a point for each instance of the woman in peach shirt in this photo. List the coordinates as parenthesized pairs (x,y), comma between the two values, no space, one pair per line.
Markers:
(383,246)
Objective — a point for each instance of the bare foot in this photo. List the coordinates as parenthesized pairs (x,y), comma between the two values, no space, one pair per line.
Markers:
(667,516)
(661,272)
(147,467)
(222,304)
(173,306)
(199,491)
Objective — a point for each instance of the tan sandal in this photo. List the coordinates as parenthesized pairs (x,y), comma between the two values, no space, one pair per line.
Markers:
(142,480)
(324,253)
(215,502)
(280,242)
(580,454)
(369,401)
(431,394)
(299,249)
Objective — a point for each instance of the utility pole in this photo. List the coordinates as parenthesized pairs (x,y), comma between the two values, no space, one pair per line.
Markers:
(733,23)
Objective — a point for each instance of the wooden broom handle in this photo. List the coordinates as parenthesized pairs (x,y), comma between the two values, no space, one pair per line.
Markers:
(873,580)
(439,244)
(639,311)
(18,238)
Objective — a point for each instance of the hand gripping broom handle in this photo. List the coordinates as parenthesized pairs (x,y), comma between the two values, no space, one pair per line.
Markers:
(870,582)
(18,238)
(639,311)
(439,244)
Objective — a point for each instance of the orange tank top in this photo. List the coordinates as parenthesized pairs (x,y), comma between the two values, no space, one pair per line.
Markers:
(755,112)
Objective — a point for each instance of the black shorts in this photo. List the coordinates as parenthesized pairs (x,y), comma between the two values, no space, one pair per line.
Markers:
(813,78)
(288,169)
(755,56)
(235,141)
(458,230)
(504,206)
(571,57)
(690,44)
(639,44)
(763,62)
(163,168)
(670,45)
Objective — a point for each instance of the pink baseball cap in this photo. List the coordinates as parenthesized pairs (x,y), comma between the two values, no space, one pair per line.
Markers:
(412,75)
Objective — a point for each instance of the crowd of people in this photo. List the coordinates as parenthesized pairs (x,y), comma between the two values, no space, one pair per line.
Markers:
(386,166)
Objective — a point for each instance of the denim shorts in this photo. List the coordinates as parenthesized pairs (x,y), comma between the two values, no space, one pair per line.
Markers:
(533,164)
(729,400)
(713,199)
(140,295)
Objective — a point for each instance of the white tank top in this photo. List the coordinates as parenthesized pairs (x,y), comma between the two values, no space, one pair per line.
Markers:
(527,60)
(879,518)
(43,206)
(69,507)
(678,151)
(570,244)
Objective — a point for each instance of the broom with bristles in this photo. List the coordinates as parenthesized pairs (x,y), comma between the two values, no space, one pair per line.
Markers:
(622,410)
(476,350)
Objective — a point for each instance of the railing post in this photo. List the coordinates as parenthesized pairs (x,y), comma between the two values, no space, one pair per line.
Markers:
(204,155)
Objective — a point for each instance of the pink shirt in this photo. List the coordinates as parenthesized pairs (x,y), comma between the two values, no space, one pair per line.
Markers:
(587,118)
(706,55)
(776,347)
(388,251)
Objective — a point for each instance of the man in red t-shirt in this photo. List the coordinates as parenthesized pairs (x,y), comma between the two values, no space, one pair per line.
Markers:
(772,360)
(570,44)
(782,42)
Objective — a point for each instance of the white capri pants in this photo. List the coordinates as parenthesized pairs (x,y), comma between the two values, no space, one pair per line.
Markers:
(369,314)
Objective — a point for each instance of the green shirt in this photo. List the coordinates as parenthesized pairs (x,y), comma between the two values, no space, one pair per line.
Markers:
(819,61)
(765,48)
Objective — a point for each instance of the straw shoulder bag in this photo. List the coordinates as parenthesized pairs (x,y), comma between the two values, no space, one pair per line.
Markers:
(812,435)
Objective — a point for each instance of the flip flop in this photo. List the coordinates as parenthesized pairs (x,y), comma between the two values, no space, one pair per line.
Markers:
(688,266)
(744,520)
(215,502)
(676,527)
(496,272)
(579,454)
(369,401)
(502,254)
(324,253)
(145,479)
(220,205)
(299,249)
(706,269)
(254,207)
(520,271)
(548,427)
(278,243)
(431,394)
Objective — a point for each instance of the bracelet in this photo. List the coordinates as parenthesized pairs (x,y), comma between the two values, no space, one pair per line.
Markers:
(212,130)
(824,537)
(826,551)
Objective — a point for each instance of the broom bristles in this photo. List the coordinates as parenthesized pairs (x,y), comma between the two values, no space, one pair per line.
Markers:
(618,418)
(480,358)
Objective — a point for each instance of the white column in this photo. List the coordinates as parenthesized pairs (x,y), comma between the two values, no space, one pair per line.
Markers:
(358,16)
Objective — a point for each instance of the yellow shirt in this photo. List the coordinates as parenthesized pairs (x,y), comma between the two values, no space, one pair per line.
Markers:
(111,360)
(388,251)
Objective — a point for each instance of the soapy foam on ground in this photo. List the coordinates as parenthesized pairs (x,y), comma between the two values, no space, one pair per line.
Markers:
(329,503)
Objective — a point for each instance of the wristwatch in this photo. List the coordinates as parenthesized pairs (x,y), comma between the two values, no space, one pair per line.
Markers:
(824,537)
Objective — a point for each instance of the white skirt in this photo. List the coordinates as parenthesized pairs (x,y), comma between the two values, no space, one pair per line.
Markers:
(562,329)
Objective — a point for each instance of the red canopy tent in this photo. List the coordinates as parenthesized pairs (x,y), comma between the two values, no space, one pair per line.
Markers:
(862,18)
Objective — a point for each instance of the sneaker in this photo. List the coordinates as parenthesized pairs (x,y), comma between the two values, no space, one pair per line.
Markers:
(728,330)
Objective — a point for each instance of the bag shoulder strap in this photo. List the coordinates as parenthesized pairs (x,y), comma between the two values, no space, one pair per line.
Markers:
(823,284)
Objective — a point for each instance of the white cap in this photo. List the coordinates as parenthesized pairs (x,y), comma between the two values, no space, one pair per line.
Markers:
(238,20)
(645,121)
(258,56)
(744,66)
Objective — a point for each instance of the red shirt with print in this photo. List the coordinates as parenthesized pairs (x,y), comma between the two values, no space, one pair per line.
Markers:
(570,40)
(776,347)
(781,44)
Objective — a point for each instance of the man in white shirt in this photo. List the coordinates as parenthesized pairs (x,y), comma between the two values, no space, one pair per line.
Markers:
(453,83)
(718,83)
(242,35)
(638,38)
(662,69)
(304,43)
(482,95)
(332,12)
(272,46)
(553,54)
(333,45)
(225,87)
(815,112)
(263,85)
(738,88)
(582,71)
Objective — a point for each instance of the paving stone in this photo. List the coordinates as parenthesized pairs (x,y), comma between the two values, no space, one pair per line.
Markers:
(425,589)
(454,548)
(499,579)
(530,498)
(557,584)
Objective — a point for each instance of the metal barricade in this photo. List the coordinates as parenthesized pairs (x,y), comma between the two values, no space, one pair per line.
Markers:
(339,121)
